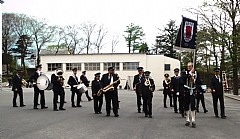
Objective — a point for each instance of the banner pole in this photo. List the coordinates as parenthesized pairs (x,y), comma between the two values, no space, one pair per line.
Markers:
(181,44)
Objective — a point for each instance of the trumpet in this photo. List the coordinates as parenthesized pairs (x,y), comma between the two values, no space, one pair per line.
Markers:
(109,87)
(24,82)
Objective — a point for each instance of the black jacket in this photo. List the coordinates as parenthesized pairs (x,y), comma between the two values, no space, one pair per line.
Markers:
(137,81)
(145,89)
(217,86)
(34,78)
(105,81)
(95,86)
(73,81)
(84,80)
(177,84)
(166,87)
(186,77)
(56,84)
(17,83)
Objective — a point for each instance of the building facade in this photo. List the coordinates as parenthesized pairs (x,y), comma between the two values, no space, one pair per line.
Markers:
(125,65)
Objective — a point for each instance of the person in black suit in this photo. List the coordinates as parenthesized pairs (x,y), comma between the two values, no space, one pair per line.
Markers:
(177,89)
(97,100)
(200,97)
(147,88)
(191,80)
(166,90)
(217,93)
(17,89)
(57,89)
(33,80)
(112,94)
(10,82)
(85,81)
(73,82)
(136,86)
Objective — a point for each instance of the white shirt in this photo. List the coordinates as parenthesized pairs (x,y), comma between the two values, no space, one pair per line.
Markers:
(111,78)
(218,77)
(39,73)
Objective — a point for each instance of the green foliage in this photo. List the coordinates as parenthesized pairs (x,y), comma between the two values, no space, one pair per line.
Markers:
(134,37)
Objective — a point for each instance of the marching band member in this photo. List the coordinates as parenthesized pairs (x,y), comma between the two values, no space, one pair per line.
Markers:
(217,93)
(17,89)
(166,91)
(73,82)
(176,89)
(136,86)
(98,100)
(200,97)
(147,88)
(37,91)
(85,81)
(191,79)
(111,95)
(58,89)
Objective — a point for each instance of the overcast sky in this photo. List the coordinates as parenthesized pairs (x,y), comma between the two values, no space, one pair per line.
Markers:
(114,14)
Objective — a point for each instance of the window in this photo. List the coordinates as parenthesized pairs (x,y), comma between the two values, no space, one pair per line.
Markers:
(52,66)
(167,67)
(110,64)
(70,66)
(130,65)
(92,66)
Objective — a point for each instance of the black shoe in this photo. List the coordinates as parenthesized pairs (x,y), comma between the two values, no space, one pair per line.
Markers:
(139,111)
(165,106)
(90,99)
(223,117)
(146,115)
(35,108)
(193,124)
(65,102)
(187,124)
(176,111)
(22,105)
(183,115)
(73,106)
(171,105)
(62,109)
(197,110)
(100,112)
(58,102)
(55,109)
(205,111)
(116,115)
(44,107)
(79,105)
(96,112)
(150,116)
(15,106)
(216,116)
(38,104)
(108,115)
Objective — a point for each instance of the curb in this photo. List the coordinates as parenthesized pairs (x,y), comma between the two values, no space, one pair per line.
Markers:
(232,97)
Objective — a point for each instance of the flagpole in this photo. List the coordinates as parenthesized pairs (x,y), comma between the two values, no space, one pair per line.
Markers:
(181,44)
(194,53)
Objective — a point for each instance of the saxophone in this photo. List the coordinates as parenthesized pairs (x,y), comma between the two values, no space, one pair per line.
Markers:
(109,87)
(24,82)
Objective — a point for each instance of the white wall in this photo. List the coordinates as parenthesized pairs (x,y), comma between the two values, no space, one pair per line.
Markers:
(153,63)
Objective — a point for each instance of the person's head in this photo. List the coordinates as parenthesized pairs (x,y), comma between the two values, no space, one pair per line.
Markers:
(166,75)
(176,71)
(111,70)
(140,70)
(217,71)
(97,76)
(147,74)
(74,71)
(39,67)
(190,65)
(84,73)
(19,72)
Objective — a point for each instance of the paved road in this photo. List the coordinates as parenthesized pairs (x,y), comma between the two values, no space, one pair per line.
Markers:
(82,123)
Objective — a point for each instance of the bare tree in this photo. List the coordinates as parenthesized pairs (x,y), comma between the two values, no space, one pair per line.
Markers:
(87,29)
(115,41)
(101,33)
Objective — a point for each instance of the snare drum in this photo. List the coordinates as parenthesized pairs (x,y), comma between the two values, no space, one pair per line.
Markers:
(44,82)
(82,88)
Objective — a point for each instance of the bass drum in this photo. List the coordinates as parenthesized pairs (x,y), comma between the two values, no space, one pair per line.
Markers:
(44,82)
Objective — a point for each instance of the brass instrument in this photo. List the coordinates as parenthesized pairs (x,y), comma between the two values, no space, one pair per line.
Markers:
(109,87)
(190,83)
(24,82)
(224,80)
(148,83)
(168,82)
(60,77)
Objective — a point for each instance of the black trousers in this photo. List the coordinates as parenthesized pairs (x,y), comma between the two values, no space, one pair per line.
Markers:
(15,93)
(55,98)
(147,102)
(36,94)
(178,98)
(138,101)
(111,96)
(165,94)
(200,97)
(86,93)
(189,100)
(78,97)
(215,104)
(97,103)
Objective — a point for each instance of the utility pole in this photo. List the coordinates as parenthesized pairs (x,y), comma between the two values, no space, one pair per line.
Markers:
(1,2)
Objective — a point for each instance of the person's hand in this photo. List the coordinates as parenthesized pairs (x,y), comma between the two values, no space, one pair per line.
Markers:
(213,90)
(172,90)
(15,89)
(94,94)
(140,95)
(101,89)
(134,88)
(166,87)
